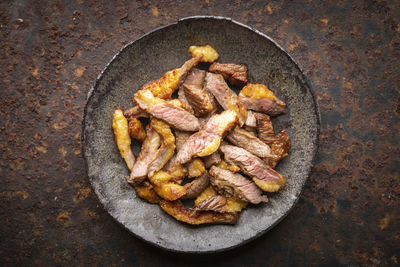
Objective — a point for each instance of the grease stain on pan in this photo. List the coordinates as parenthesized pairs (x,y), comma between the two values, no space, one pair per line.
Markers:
(147,59)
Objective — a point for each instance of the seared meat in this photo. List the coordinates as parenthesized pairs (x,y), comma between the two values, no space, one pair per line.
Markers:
(177,117)
(264,177)
(207,141)
(236,185)
(182,97)
(195,187)
(264,128)
(210,200)
(122,138)
(179,212)
(146,156)
(135,112)
(233,73)
(251,120)
(176,170)
(195,94)
(259,98)
(181,138)
(214,203)
(167,149)
(279,148)
(212,159)
(248,141)
(171,80)
(136,130)
(225,96)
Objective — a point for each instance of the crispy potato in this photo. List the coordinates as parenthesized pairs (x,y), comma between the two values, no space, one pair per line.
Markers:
(179,212)
(146,192)
(122,138)
(196,168)
(269,186)
(228,166)
(164,188)
(166,85)
(209,53)
(136,130)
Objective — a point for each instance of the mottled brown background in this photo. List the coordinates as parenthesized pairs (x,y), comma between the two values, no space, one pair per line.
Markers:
(50,54)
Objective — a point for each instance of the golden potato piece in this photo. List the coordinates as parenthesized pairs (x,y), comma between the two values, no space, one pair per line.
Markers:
(195,217)
(270,186)
(234,205)
(228,166)
(136,130)
(209,53)
(165,86)
(196,168)
(122,138)
(164,188)
(146,192)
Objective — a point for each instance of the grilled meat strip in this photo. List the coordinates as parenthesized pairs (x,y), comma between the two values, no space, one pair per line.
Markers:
(171,80)
(216,84)
(259,98)
(195,217)
(233,73)
(167,148)
(208,139)
(212,159)
(236,185)
(146,156)
(279,148)
(195,187)
(264,177)
(177,117)
(248,141)
(264,128)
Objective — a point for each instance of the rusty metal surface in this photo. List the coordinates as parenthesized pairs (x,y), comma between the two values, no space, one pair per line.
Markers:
(50,54)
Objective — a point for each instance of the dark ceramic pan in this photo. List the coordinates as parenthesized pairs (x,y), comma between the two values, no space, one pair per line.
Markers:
(146,59)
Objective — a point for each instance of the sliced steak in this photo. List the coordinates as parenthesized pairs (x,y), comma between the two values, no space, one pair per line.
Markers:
(264,128)
(177,117)
(279,148)
(259,98)
(236,185)
(195,187)
(214,203)
(263,175)
(207,140)
(146,156)
(248,141)
(233,73)
(216,84)
(212,159)
(179,212)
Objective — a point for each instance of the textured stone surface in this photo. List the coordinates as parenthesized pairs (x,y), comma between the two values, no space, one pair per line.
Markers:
(51,54)
(139,63)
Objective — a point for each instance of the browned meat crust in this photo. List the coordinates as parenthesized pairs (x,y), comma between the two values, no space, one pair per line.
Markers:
(233,73)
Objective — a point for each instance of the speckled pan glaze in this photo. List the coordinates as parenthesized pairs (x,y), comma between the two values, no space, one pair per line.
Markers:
(146,59)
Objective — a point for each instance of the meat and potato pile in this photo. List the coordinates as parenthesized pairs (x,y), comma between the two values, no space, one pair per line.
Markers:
(209,144)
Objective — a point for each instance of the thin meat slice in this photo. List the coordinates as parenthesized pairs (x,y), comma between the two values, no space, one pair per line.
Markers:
(212,159)
(248,141)
(196,217)
(279,148)
(264,128)
(236,185)
(177,117)
(259,98)
(264,176)
(215,203)
(171,80)
(235,74)
(216,84)
(146,156)
(195,187)
(210,200)
(167,148)
(207,140)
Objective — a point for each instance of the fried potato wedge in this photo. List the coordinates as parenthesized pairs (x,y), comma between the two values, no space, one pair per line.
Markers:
(146,192)
(136,129)
(166,189)
(209,53)
(122,138)
(196,168)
